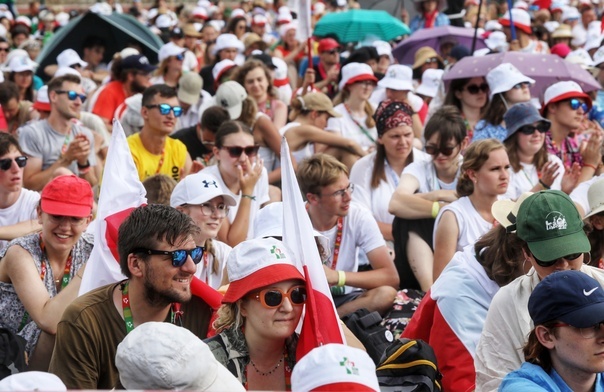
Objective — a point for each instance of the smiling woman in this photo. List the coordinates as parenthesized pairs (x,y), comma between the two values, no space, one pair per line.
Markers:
(260,312)
(40,273)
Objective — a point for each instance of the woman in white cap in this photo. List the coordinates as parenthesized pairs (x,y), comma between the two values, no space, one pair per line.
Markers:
(169,70)
(261,309)
(484,177)
(201,197)
(564,349)
(352,102)
(21,72)
(40,272)
(508,86)
(309,116)
(470,96)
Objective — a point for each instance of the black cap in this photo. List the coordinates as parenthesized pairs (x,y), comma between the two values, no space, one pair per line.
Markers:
(266,59)
(138,62)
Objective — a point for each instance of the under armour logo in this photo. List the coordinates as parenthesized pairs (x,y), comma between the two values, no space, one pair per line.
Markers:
(206,184)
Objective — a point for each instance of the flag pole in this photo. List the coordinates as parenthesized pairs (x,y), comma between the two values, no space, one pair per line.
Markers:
(476,27)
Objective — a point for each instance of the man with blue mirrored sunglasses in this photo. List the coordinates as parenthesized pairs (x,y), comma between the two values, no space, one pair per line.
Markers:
(566,106)
(154,152)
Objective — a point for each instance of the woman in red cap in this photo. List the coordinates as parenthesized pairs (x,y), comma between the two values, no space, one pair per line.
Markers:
(261,309)
(40,273)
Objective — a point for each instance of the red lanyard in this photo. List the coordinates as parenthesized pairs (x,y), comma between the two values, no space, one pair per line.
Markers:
(161,161)
(43,266)
(205,267)
(336,248)
(175,312)
(365,131)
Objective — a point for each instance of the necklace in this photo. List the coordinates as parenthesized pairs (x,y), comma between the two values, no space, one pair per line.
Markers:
(268,373)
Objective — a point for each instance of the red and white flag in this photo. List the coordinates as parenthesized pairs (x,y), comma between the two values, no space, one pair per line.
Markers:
(321,324)
(121,192)
(302,9)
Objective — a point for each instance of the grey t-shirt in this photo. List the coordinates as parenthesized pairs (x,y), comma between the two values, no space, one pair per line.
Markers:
(39,140)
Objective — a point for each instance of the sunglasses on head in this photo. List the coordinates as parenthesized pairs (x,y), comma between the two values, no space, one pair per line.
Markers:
(446,151)
(5,164)
(570,257)
(179,256)
(236,151)
(476,88)
(72,95)
(164,109)
(529,129)
(273,298)
(575,104)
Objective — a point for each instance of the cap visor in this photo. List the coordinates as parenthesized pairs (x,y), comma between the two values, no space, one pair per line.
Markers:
(54,207)
(263,277)
(228,199)
(585,317)
(554,248)
(569,95)
(333,113)
(235,111)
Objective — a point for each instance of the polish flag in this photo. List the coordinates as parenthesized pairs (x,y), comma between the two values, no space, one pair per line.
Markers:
(321,324)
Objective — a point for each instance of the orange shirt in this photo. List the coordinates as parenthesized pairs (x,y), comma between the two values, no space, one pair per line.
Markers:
(112,96)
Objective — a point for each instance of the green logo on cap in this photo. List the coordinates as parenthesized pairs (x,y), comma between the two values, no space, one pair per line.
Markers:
(349,366)
(277,252)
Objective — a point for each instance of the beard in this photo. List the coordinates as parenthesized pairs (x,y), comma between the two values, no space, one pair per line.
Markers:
(137,87)
(162,298)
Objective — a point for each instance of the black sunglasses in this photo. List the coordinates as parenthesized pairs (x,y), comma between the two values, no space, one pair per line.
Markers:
(476,88)
(179,256)
(72,95)
(446,151)
(570,257)
(5,164)
(164,109)
(529,129)
(273,298)
(235,151)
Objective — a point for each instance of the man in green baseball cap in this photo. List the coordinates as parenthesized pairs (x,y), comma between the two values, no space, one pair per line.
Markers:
(552,228)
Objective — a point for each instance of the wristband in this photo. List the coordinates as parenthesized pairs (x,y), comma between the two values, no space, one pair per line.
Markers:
(543,184)
(341,278)
(435,209)
(590,165)
(84,166)
(83,171)
(249,196)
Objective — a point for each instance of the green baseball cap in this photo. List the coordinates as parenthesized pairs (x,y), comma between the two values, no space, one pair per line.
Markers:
(551,226)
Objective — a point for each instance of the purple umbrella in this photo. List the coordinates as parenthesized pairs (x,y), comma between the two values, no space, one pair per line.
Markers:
(434,37)
(546,69)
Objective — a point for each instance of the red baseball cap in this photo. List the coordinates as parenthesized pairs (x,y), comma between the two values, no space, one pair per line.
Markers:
(328,44)
(67,196)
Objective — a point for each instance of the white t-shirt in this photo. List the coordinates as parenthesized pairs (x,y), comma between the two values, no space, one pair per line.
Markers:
(189,63)
(24,209)
(260,192)
(347,127)
(579,194)
(377,199)
(425,174)
(528,177)
(304,152)
(471,224)
(205,268)
(359,231)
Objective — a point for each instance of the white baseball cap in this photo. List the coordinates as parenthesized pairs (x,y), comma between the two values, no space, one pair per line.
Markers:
(32,381)
(564,90)
(168,50)
(356,72)
(197,189)
(230,95)
(504,77)
(595,196)
(160,355)
(336,366)
(225,41)
(398,77)
(21,64)
(430,81)
(69,57)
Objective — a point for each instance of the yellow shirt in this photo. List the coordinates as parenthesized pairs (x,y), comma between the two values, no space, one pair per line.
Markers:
(147,164)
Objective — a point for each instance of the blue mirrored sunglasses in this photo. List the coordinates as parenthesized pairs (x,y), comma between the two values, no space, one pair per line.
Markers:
(72,95)
(164,109)
(179,256)
(577,103)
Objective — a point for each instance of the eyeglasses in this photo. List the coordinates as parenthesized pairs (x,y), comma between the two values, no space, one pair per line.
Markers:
(236,151)
(529,129)
(476,88)
(577,103)
(431,60)
(5,164)
(221,210)
(434,151)
(179,256)
(273,298)
(164,109)
(521,85)
(570,257)
(587,332)
(72,95)
(348,190)
(72,220)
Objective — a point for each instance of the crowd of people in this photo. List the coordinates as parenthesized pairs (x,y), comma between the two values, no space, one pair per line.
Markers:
(484,194)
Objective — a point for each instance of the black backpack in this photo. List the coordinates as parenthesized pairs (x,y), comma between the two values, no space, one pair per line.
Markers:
(367,327)
(409,365)
(12,352)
